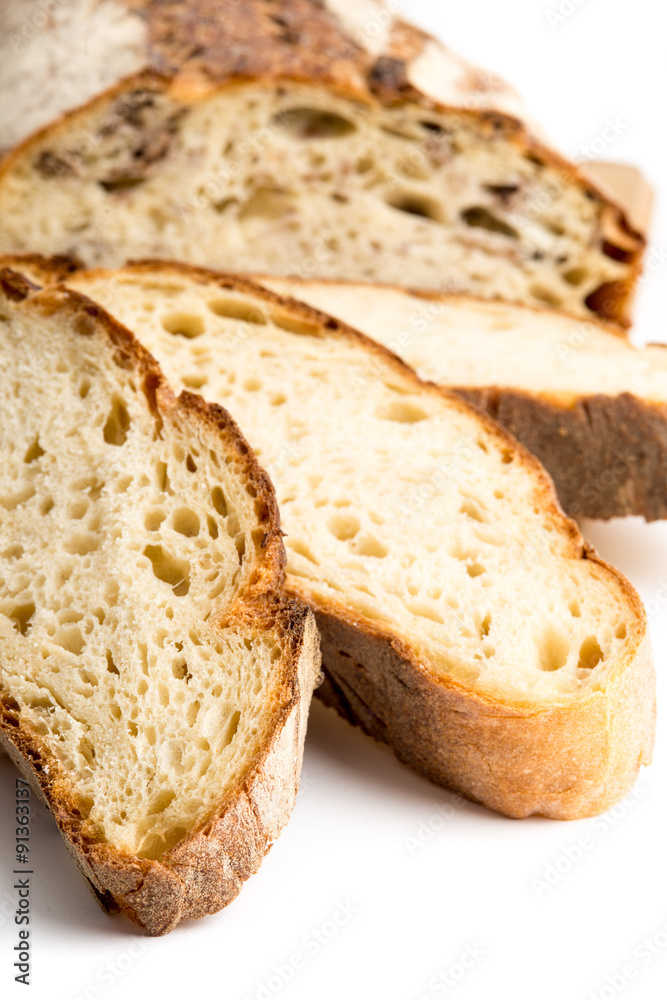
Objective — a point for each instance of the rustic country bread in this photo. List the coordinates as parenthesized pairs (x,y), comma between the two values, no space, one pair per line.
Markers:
(589,405)
(464,620)
(304,137)
(154,684)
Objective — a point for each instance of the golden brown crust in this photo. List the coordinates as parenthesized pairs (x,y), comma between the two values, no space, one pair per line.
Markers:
(193,53)
(206,869)
(513,757)
(563,762)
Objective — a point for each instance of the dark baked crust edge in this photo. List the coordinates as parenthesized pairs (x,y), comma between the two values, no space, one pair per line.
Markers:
(206,869)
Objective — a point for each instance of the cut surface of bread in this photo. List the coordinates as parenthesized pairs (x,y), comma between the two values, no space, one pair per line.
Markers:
(464,620)
(154,683)
(302,151)
(588,404)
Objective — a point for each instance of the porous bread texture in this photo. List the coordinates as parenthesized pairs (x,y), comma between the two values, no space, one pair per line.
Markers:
(591,406)
(297,178)
(148,658)
(407,515)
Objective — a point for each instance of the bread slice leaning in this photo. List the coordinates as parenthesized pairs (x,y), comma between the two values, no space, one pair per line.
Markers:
(154,682)
(464,620)
(296,138)
(588,404)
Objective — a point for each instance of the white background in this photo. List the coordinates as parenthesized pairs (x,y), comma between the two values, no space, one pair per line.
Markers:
(414,878)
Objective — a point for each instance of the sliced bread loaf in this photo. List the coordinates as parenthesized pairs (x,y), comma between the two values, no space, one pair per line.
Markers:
(588,404)
(154,684)
(292,138)
(463,618)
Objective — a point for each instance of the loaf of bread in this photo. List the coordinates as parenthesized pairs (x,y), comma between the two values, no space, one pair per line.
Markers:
(154,682)
(588,404)
(314,138)
(464,620)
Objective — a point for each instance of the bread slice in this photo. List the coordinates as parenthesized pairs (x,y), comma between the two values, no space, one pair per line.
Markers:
(154,683)
(464,620)
(284,139)
(588,404)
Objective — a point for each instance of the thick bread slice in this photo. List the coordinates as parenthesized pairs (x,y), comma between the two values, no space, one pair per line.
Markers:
(589,405)
(280,139)
(464,620)
(154,684)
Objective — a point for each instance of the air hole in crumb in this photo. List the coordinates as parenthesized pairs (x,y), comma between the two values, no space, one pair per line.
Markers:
(402,411)
(185,522)
(252,384)
(507,456)
(278,398)
(238,309)
(182,324)
(268,203)
(479,217)
(218,501)
(118,423)
(543,294)
(574,608)
(78,508)
(153,519)
(180,671)
(621,631)
(240,546)
(192,713)
(212,527)
(590,654)
(132,728)
(295,324)
(485,626)
(344,526)
(576,275)
(553,649)
(475,569)
(190,464)
(419,205)
(34,452)
(46,505)
(169,569)
(161,802)
(369,545)
(21,616)
(232,728)
(84,388)
(472,509)
(194,381)
(81,544)
(312,123)
(111,666)
(70,638)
